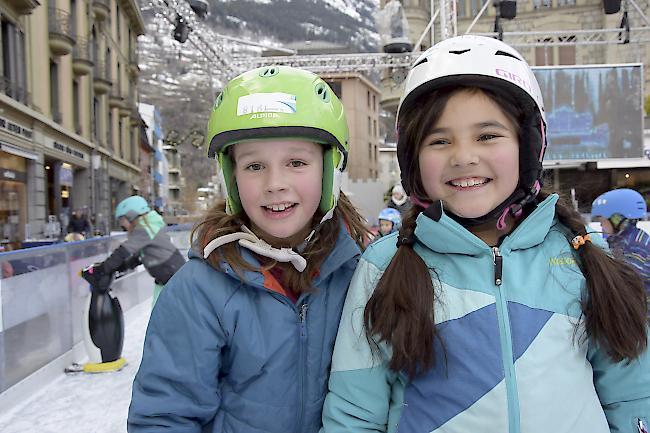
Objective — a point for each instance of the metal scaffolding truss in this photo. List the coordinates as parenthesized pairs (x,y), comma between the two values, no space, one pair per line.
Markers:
(443,20)
(375,61)
(333,62)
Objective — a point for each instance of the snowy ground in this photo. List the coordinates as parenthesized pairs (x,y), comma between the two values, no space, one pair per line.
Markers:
(85,403)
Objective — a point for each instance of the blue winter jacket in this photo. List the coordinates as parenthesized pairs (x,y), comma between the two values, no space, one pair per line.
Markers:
(633,245)
(515,359)
(226,355)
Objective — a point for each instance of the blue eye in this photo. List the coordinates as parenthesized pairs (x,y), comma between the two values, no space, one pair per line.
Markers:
(254,167)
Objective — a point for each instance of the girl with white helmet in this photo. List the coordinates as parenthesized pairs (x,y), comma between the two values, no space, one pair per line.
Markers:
(242,337)
(493,310)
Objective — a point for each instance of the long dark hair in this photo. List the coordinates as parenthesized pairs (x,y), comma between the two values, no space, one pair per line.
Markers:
(401,309)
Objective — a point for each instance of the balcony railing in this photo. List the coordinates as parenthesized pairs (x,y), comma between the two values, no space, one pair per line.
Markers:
(134,69)
(101,82)
(102,9)
(14,91)
(60,30)
(82,62)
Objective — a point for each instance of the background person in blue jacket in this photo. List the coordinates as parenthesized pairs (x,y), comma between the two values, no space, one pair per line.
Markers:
(241,338)
(145,244)
(493,309)
(618,212)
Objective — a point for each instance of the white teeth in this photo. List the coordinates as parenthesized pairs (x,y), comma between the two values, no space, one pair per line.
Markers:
(278,207)
(464,183)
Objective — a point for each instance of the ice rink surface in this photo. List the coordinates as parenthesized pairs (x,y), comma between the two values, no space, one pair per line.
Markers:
(85,403)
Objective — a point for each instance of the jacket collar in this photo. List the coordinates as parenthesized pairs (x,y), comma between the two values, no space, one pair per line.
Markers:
(344,250)
(446,236)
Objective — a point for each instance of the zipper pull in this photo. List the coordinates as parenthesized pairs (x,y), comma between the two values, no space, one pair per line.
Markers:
(303,312)
(302,315)
(498,266)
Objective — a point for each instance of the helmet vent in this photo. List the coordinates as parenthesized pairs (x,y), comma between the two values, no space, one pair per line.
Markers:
(269,71)
(459,51)
(217,102)
(503,53)
(420,62)
(322,92)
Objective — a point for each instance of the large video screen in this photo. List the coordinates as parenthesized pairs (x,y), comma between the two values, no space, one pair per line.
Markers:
(593,112)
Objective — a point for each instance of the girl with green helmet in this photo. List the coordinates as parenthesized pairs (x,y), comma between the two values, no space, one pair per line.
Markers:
(253,315)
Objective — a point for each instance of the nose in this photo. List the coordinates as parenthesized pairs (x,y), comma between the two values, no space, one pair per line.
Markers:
(275,180)
(464,153)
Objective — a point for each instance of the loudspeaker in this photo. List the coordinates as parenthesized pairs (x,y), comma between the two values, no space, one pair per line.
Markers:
(612,6)
(508,9)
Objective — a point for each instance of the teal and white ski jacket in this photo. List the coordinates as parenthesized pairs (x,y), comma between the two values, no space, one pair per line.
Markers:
(517,360)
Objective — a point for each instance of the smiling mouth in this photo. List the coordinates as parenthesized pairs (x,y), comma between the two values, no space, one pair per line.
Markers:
(280,207)
(469,182)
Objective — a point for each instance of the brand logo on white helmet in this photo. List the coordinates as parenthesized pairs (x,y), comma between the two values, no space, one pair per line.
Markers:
(512,77)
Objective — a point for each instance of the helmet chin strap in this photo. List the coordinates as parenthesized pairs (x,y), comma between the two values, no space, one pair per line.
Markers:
(247,239)
(513,205)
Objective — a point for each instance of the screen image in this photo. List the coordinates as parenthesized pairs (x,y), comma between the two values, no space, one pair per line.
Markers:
(593,113)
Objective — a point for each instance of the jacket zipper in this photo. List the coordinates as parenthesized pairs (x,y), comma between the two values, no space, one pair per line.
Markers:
(302,317)
(498,266)
(503,320)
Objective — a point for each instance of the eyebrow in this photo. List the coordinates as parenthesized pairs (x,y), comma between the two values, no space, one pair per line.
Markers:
(481,125)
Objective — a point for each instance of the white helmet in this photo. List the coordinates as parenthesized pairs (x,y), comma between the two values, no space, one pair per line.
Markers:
(478,61)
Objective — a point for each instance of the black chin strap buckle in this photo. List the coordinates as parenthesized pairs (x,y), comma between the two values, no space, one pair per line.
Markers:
(434,211)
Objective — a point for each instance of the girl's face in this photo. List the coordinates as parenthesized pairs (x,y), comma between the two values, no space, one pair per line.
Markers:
(280,183)
(470,158)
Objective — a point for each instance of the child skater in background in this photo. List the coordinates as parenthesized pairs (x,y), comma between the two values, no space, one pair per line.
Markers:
(389,222)
(493,309)
(241,338)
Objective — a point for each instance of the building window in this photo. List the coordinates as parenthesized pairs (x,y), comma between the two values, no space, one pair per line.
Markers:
(541,4)
(368,98)
(461,9)
(566,2)
(567,53)
(370,152)
(369,126)
(14,77)
(96,118)
(374,127)
(544,54)
(109,130)
(117,21)
(76,106)
(374,102)
(107,64)
(336,88)
(54,91)
(121,142)
(73,18)
(475,6)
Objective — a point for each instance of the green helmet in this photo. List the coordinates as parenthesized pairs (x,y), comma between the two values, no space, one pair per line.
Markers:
(274,102)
